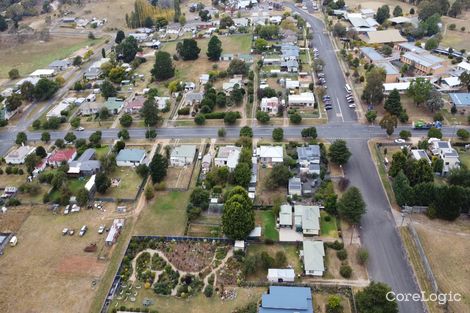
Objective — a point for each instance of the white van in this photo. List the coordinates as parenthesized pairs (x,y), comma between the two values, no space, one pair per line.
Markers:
(348,89)
(13,241)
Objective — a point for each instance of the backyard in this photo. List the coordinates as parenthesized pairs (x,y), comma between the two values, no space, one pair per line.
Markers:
(125,183)
(328,226)
(268,222)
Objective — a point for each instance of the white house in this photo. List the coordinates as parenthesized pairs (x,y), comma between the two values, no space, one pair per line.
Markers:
(56,111)
(444,150)
(306,99)
(18,155)
(285,216)
(270,155)
(280,275)
(130,157)
(43,73)
(182,155)
(307,219)
(228,156)
(161,102)
(419,154)
(204,79)
(312,254)
(270,105)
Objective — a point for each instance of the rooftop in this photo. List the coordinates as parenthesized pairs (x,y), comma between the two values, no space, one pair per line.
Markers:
(134,155)
(282,299)
(384,36)
(185,151)
(424,59)
(371,54)
(460,99)
(314,252)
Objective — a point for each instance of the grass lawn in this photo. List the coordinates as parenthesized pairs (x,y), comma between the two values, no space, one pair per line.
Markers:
(328,228)
(321,299)
(165,215)
(269,225)
(36,54)
(128,186)
(465,158)
(14,180)
(100,152)
(76,184)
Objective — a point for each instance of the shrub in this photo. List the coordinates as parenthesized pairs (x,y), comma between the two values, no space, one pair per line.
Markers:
(342,254)
(208,291)
(183,111)
(362,256)
(345,271)
(463,134)
(336,245)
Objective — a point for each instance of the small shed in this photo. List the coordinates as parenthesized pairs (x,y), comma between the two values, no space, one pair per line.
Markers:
(279,275)
(239,245)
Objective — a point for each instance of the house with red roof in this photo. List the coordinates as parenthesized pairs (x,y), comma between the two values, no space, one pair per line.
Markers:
(59,156)
(135,105)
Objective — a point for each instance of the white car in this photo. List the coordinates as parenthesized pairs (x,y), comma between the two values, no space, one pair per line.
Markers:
(83,230)
(101,229)
(65,231)
(399,140)
(352,105)
(66,210)
(80,129)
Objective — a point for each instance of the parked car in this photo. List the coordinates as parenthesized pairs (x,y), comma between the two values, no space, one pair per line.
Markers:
(328,107)
(75,208)
(352,105)
(399,140)
(83,230)
(101,229)
(66,210)
(65,231)
(80,129)
(71,232)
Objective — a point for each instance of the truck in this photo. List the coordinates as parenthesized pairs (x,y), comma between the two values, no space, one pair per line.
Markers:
(420,124)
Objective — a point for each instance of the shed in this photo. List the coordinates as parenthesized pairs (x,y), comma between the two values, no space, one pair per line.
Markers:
(280,275)
(239,245)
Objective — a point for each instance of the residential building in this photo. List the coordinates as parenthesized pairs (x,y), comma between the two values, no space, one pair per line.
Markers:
(90,108)
(193,98)
(162,102)
(135,104)
(270,155)
(32,80)
(307,219)
(285,216)
(291,84)
(226,57)
(228,156)
(461,100)
(206,163)
(295,186)
(114,105)
(281,275)
(130,157)
(313,253)
(449,155)
(60,65)
(270,105)
(419,154)
(182,155)
(283,299)
(367,13)
(383,36)
(94,71)
(241,22)
(463,66)
(18,155)
(85,165)
(290,66)
(56,110)
(236,80)
(204,79)
(43,73)
(309,159)
(62,156)
(400,87)
(424,63)
(362,24)
(306,99)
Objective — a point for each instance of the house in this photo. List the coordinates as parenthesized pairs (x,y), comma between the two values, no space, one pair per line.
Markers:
(130,157)
(285,216)
(114,231)
(419,154)
(270,155)
(275,19)
(32,80)
(362,24)
(228,86)
(18,155)
(295,186)
(204,79)
(309,154)
(383,36)
(162,102)
(307,219)
(313,253)
(424,63)
(90,108)
(280,275)
(290,66)
(241,22)
(247,58)
(271,61)
(283,299)
(463,66)
(114,105)
(401,87)
(193,98)
(140,37)
(91,97)
(226,57)
(460,100)
(135,104)
(182,155)
(154,44)
(400,20)
(392,74)
(451,82)
(56,111)
(60,65)
(303,99)
(93,73)
(367,13)
(289,53)
(43,73)
(270,105)
(206,163)
(85,165)
(228,156)
(62,156)
(449,155)
(292,84)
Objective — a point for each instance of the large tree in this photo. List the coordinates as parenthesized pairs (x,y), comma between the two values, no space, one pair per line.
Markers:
(236,67)
(373,91)
(163,68)
(383,13)
(310,132)
(214,48)
(373,299)
(107,89)
(188,49)
(388,122)
(402,189)
(398,163)
(238,218)
(45,89)
(420,90)
(434,102)
(339,152)
(150,112)
(102,182)
(119,37)
(393,103)
(351,207)
(465,80)
(127,49)
(397,11)
(242,174)
(158,168)
(3,24)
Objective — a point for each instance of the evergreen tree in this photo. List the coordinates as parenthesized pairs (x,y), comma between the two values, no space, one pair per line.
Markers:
(402,189)
(158,168)
(214,48)
(188,49)
(163,68)
(119,37)
(150,112)
(3,24)
(339,152)
(238,218)
(393,103)
(397,11)
(351,206)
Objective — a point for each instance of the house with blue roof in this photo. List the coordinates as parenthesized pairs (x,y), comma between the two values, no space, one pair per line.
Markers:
(280,299)
(130,157)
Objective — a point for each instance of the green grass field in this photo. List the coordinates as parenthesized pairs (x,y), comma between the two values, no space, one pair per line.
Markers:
(129,185)
(465,158)
(328,228)
(269,225)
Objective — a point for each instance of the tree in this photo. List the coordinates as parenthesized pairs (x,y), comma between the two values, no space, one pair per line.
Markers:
(127,49)
(59,143)
(221,132)
(107,89)
(163,68)
(242,174)
(397,11)
(402,189)
(27,91)
(77,61)
(373,91)
(150,112)
(405,134)
(188,49)
(3,24)
(236,95)
(279,176)
(119,37)
(45,89)
(214,48)
(463,134)
(351,207)
(200,198)
(70,137)
(419,89)
(204,15)
(393,103)
(199,119)
(278,134)
(295,118)
(158,168)
(418,172)
(237,67)
(434,132)
(82,196)
(388,122)
(31,161)
(431,44)
(334,304)
(339,30)
(102,182)
(373,299)
(13,102)
(465,80)
(14,74)
(383,13)
(434,102)
(221,99)
(339,152)
(246,131)
(310,132)
(261,44)
(225,22)
(41,152)
(125,120)
(371,115)
(238,218)
(21,138)
(263,117)
(45,137)
(386,50)
(123,134)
